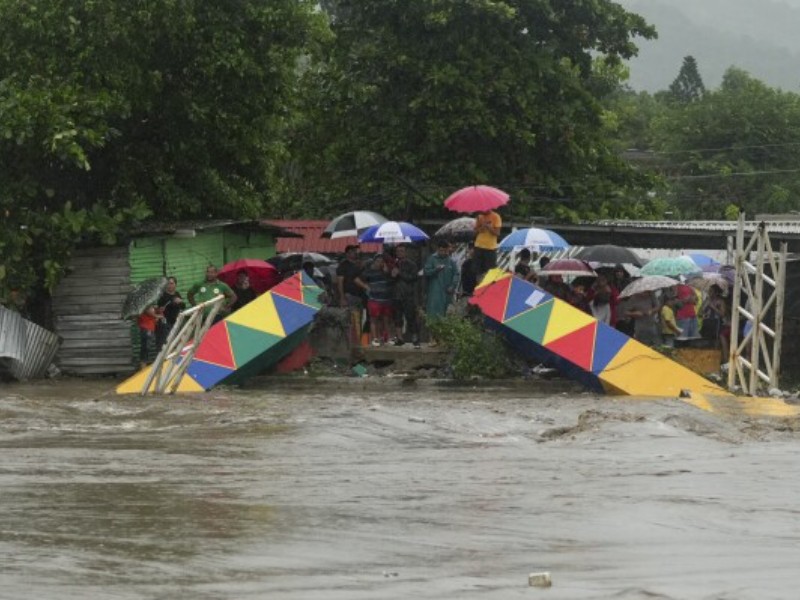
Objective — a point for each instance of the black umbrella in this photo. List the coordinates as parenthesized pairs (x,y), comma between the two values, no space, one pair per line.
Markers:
(457,230)
(610,255)
(352,224)
(143,295)
(294,261)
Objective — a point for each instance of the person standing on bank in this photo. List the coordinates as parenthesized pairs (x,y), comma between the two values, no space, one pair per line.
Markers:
(210,288)
(170,303)
(487,230)
(442,276)
(244,293)
(405,275)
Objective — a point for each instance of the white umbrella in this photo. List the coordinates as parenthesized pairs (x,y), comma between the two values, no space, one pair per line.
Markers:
(352,224)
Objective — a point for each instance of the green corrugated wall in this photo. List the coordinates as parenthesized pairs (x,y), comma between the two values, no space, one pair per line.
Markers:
(254,244)
(187,258)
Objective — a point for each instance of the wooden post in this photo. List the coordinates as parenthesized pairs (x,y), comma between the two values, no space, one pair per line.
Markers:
(779,304)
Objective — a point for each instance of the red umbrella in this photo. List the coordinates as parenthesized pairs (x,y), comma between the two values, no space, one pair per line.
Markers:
(568,267)
(262,275)
(476,198)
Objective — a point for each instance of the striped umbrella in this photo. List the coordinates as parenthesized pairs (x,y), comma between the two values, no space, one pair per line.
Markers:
(540,240)
(352,224)
(393,232)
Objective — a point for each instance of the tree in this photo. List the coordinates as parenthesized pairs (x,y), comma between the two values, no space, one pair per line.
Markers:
(736,148)
(110,111)
(418,98)
(688,85)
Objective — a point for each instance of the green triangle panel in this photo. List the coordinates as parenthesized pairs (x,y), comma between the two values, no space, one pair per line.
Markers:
(533,323)
(311,295)
(248,343)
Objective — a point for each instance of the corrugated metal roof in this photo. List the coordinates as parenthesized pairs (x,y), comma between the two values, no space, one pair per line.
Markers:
(788,226)
(171,227)
(312,240)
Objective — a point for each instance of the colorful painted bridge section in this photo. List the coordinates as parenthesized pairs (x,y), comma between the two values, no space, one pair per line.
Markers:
(603,359)
(248,341)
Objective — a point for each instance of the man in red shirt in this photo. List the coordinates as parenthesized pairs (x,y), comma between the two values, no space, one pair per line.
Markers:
(686,313)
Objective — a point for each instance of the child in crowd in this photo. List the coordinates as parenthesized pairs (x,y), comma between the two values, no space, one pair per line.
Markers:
(669,327)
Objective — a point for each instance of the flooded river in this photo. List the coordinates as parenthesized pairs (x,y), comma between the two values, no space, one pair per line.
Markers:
(426,493)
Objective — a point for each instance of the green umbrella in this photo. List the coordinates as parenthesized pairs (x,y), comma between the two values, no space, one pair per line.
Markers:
(670,266)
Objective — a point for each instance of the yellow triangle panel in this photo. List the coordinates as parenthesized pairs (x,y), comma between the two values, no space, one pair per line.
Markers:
(638,370)
(491,276)
(260,314)
(133,385)
(565,319)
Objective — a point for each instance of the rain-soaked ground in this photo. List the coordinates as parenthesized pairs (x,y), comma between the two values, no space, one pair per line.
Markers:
(336,494)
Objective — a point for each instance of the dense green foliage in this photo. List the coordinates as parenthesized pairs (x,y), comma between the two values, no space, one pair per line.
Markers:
(475,353)
(416,99)
(110,111)
(729,150)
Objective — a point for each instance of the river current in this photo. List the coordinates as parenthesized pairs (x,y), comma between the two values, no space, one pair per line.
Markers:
(335,491)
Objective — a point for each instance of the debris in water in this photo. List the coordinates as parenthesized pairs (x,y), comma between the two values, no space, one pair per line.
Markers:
(540,579)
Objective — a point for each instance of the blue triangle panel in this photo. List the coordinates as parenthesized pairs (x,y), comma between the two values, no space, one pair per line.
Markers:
(206,374)
(307,280)
(523,296)
(293,315)
(607,344)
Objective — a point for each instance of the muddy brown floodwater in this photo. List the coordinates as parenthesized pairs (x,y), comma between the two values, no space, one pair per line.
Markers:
(331,493)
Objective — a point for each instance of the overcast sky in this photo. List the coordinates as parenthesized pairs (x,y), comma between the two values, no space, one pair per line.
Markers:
(760,36)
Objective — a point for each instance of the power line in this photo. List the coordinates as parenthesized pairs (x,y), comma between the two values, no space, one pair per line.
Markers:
(724,148)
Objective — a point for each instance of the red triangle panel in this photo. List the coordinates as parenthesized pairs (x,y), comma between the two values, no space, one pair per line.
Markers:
(577,347)
(291,288)
(215,347)
(492,299)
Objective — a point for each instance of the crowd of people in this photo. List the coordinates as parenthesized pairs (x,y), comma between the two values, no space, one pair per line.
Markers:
(391,295)
(655,318)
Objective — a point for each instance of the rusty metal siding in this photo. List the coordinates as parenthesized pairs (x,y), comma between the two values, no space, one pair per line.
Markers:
(87,305)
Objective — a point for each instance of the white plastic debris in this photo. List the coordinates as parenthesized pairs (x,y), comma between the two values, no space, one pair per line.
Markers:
(540,579)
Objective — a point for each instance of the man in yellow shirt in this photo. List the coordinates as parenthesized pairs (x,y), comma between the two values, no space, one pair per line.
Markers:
(487,229)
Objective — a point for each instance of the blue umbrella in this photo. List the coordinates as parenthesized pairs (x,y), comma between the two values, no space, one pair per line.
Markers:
(393,232)
(540,240)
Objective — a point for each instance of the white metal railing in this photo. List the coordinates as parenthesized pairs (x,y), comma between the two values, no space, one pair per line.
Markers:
(190,327)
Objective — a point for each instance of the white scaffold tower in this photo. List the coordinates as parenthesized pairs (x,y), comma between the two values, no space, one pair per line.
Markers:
(758,299)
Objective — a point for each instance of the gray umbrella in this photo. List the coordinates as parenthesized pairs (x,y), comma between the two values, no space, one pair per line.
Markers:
(649,283)
(457,230)
(294,261)
(608,254)
(143,295)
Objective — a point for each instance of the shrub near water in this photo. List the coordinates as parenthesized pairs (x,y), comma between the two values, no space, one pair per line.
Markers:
(475,351)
